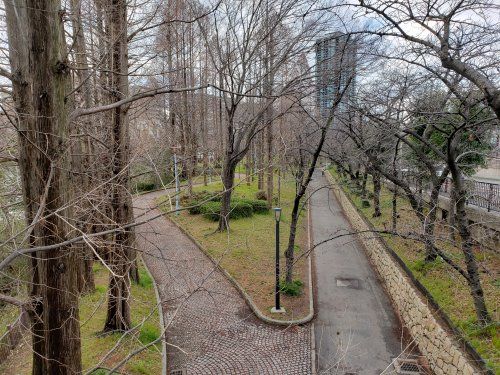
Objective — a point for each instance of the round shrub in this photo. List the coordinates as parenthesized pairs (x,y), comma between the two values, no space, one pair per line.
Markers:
(258,206)
(194,207)
(261,195)
(240,209)
(211,210)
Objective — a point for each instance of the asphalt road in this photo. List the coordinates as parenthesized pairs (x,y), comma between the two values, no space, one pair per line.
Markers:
(356,329)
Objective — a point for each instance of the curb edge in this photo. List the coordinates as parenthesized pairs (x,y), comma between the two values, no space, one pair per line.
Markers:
(244,294)
(161,319)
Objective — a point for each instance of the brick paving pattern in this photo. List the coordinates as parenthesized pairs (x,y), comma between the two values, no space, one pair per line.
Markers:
(210,329)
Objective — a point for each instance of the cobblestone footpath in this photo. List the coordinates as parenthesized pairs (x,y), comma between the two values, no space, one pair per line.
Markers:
(210,329)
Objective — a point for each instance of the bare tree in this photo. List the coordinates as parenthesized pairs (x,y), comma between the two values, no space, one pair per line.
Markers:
(462,35)
(41,81)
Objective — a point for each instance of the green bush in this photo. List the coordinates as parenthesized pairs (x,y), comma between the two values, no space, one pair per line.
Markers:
(292,289)
(194,207)
(196,200)
(145,280)
(261,195)
(144,186)
(258,206)
(211,210)
(365,203)
(200,196)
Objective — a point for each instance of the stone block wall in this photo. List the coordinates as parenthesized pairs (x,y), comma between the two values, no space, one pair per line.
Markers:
(442,350)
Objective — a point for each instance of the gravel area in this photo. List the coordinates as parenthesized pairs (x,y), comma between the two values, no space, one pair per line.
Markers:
(210,329)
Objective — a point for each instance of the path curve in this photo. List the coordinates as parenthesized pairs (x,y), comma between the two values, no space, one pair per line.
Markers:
(211,330)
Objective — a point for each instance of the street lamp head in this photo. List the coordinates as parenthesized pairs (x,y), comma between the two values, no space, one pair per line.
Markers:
(277,213)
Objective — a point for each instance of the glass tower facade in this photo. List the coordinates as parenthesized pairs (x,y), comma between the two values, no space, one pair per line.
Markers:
(335,72)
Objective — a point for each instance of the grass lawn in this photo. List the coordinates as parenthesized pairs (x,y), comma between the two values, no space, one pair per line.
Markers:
(447,287)
(247,251)
(96,346)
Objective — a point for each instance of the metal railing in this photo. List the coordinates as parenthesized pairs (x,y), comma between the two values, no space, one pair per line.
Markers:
(481,194)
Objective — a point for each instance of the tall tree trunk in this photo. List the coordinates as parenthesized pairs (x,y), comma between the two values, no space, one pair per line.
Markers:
(41,82)
(303,181)
(260,160)
(82,153)
(270,166)
(430,224)
(376,194)
(123,256)
(228,174)
(289,252)
(451,212)
(395,209)
(474,280)
(363,185)
(248,167)
(268,118)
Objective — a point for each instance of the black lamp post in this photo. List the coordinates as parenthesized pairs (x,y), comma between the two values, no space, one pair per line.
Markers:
(277,308)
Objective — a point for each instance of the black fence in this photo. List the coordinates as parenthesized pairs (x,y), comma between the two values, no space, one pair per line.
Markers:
(481,194)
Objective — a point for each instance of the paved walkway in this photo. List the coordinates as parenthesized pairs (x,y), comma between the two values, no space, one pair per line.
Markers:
(211,330)
(356,329)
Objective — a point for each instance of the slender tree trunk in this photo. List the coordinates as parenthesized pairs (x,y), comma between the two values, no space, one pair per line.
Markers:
(395,209)
(260,161)
(474,279)
(248,169)
(268,118)
(228,174)
(376,194)
(363,185)
(451,212)
(289,253)
(303,180)
(83,153)
(430,224)
(270,167)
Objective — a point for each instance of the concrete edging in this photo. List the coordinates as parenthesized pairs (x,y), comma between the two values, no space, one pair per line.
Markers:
(244,294)
(161,319)
(446,352)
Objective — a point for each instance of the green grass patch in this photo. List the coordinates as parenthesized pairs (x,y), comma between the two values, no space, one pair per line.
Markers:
(247,251)
(145,280)
(293,288)
(149,333)
(95,345)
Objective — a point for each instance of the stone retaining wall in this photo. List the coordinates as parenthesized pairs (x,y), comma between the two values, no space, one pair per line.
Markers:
(442,350)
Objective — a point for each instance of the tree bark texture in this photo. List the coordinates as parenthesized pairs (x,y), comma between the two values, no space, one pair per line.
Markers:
(41,81)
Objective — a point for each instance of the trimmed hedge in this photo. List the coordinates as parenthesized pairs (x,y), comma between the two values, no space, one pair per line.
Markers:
(200,197)
(211,210)
(144,186)
(258,206)
(194,207)
(196,200)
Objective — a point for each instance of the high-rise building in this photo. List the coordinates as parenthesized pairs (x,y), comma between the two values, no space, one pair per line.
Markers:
(335,71)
